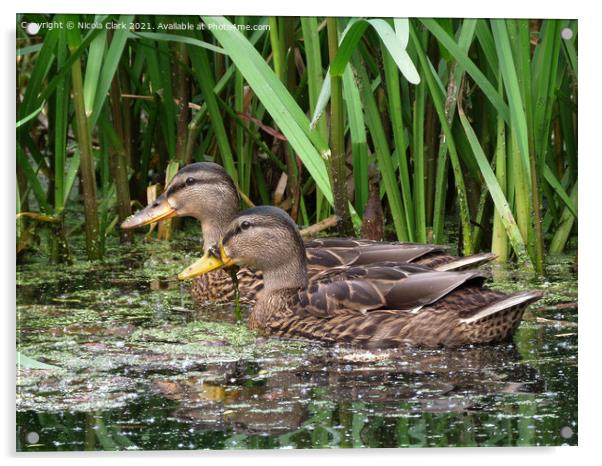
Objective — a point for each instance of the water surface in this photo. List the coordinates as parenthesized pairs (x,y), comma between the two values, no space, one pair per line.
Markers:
(139,365)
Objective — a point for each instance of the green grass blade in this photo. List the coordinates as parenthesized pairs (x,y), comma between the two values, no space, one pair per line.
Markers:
(315,76)
(315,83)
(545,68)
(402,31)
(84,139)
(455,75)
(109,67)
(570,50)
(499,239)
(391,41)
(70,175)
(322,101)
(381,148)
(469,66)
(32,179)
(66,68)
(518,186)
(308,144)
(486,42)
(93,66)
(61,121)
(31,116)
(29,49)
(418,189)
(204,76)
(348,44)
(449,138)
(359,143)
(395,43)
(395,113)
(567,221)
(499,200)
(557,186)
(39,72)
(518,118)
(396,48)
(166,37)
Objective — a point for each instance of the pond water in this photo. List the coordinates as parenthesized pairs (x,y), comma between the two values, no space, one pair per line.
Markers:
(138,365)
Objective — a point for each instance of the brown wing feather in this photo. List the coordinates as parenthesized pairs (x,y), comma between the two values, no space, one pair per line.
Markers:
(338,243)
(386,271)
(322,257)
(423,289)
(326,300)
(398,288)
(397,253)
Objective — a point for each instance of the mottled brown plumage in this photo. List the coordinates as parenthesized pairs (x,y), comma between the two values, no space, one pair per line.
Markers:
(379,305)
(206,192)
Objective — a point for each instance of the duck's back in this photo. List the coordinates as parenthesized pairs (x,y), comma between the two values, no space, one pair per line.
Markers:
(333,255)
(421,308)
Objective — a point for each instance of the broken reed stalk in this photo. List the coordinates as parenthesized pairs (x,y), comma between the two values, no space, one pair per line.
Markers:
(336,161)
(322,225)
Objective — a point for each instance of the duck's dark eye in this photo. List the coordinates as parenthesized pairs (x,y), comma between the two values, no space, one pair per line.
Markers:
(245,225)
(189,181)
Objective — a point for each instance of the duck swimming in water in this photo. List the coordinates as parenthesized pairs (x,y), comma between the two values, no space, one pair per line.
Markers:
(377,305)
(205,191)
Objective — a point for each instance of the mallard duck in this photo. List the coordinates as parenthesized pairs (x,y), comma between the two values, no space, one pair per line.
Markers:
(205,191)
(389,304)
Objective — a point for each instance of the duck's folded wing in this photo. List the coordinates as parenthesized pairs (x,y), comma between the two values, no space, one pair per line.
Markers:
(330,299)
(387,271)
(335,242)
(422,289)
(408,293)
(340,242)
(320,258)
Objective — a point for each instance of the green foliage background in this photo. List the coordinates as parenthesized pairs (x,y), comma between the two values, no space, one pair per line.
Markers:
(472,121)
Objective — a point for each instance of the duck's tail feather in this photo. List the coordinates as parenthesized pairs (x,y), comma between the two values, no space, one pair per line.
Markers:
(468,262)
(522,299)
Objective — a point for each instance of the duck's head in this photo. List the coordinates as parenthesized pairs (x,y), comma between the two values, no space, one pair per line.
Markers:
(202,190)
(263,238)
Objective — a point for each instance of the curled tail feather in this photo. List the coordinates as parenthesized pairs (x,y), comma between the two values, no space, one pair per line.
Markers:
(522,299)
(468,262)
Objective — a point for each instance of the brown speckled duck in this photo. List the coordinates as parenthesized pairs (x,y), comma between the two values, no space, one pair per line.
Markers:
(205,191)
(391,304)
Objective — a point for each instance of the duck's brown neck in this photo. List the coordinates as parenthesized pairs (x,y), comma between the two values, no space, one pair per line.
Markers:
(213,225)
(285,269)
(291,275)
(212,232)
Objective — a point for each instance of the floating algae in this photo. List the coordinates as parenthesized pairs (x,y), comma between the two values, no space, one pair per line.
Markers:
(140,365)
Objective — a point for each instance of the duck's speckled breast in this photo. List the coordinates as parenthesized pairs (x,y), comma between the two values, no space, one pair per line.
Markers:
(217,286)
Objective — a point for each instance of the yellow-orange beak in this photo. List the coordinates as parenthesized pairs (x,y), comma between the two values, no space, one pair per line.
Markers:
(159,210)
(206,264)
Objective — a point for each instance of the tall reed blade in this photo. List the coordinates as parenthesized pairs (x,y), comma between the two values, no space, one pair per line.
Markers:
(85,146)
